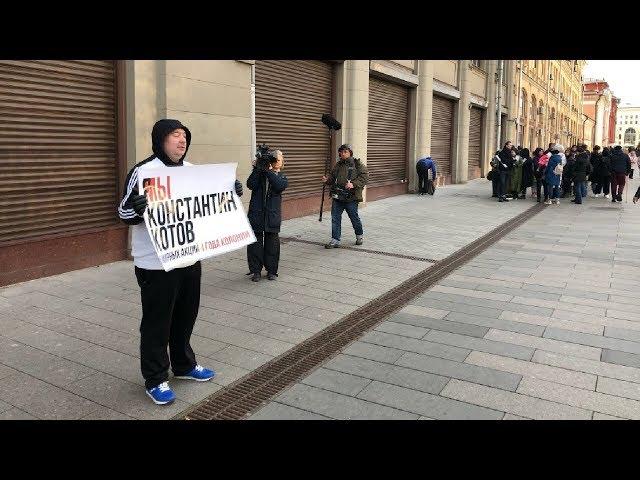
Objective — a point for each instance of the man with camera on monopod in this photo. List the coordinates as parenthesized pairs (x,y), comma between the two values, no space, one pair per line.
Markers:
(265,212)
(347,179)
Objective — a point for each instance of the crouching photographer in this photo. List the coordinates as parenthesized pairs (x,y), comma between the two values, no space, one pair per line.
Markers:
(265,212)
(347,179)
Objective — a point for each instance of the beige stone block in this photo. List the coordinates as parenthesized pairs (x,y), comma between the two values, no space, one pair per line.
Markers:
(202,97)
(215,129)
(477,83)
(205,154)
(222,72)
(446,71)
(358,98)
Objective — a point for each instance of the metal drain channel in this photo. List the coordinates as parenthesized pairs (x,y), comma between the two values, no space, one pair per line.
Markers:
(377,252)
(247,394)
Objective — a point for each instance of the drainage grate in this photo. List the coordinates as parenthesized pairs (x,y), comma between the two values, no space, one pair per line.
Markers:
(358,249)
(247,394)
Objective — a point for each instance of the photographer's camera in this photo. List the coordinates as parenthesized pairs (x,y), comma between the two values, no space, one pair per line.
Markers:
(265,157)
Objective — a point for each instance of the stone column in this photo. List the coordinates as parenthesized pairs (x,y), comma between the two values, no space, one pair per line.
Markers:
(490,116)
(424,102)
(463,116)
(356,108)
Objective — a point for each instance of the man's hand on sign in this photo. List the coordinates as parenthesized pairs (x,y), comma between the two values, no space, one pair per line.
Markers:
(139,203)
(238,188)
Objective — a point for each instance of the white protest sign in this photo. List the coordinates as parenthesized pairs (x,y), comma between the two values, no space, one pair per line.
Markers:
(194,213)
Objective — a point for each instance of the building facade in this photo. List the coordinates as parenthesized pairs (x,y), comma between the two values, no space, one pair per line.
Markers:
(601,105)
(547,94)
(75,128)
(628,126)
(588,131)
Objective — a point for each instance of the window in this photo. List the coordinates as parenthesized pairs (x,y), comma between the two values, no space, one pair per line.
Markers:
(532,110)
(475,63)
(630,136)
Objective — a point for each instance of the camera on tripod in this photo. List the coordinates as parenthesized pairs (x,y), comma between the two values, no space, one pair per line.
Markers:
(264,157)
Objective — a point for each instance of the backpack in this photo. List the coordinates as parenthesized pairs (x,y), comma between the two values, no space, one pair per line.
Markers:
(558,169)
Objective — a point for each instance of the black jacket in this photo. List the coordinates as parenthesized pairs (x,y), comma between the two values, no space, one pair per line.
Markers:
(527,173)
(596,161)
(266,219)
(620,162)
(604,169)
(567,173)
(538,170)
(505,159)
(581,167)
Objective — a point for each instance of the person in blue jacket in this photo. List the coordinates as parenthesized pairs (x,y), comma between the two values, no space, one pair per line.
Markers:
(553,179)
(422,168)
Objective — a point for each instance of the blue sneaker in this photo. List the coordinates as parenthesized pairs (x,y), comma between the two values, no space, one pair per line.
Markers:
(199,374)
(161,394)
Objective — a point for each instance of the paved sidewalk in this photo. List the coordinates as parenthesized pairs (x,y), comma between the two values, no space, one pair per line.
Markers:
(69,344)
(543,325)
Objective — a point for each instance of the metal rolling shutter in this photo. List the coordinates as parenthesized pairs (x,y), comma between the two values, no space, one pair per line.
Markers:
(57,147)
(387,132)
(291,96)
(441,134)
(475,143)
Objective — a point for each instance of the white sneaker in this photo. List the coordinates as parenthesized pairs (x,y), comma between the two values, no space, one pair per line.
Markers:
(547,202)
(607,196)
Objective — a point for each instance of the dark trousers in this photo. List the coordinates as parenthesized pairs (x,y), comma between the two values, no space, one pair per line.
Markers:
(423,176)
(617,183)
(566,187)
(170,303)
(337,207)
(581,191)
(601,187)
(502,184)
(495,181)
(539,188)
(265,252)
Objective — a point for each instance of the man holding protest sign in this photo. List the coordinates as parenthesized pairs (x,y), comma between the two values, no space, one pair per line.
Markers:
(170,295)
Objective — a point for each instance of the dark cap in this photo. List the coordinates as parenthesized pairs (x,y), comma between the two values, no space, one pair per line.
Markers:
(346,146)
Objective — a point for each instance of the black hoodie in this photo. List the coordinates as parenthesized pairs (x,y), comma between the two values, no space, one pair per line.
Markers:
(159,133)
(160,130)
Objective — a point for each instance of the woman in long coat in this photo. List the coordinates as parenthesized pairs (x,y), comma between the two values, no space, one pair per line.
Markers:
(515,182)
(527,172)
